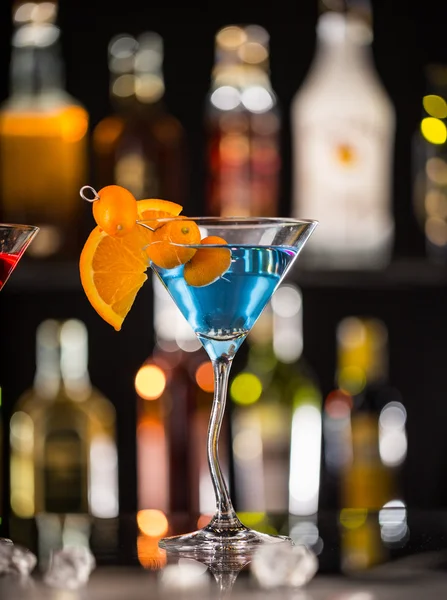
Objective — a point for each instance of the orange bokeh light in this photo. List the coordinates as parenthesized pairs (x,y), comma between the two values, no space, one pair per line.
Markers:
(205,376)
(152,522)
(149,554)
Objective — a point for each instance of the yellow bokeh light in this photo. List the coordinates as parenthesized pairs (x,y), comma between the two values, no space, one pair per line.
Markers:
(436,231)
(205,376)
(435,106)
(352,518)
(246,389)
(152,522)
(352,379)
(434,130)
(150,382)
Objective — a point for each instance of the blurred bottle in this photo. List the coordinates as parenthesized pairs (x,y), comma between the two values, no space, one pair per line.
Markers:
(343,136)
(378,416)
(430,164)
(43,149)
(62,432)
(175,392)
(276,420)
(357,464)
(364,412)
(242,127)
(141,146)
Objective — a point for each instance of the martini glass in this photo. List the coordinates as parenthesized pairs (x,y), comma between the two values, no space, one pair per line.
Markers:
(221,315)
(14,240)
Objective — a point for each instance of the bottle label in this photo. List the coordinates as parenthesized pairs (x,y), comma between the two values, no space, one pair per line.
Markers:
(244,166)
(65,473)
(31,143)
(343,179)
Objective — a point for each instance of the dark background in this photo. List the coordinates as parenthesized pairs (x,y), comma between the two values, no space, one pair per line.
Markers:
(412,300)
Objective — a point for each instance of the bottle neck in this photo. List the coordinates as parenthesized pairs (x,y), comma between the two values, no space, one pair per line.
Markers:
(74,359)
(132,91)
(239,76)
(62,360)
(344,43)
(36,65)
(48,377)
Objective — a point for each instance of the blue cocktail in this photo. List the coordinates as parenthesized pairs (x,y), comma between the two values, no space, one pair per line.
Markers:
(222,313)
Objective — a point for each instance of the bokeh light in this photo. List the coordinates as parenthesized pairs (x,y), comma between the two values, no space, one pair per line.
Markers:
(434,130)
(152,522)
(435,106)
(205,376)
(150,382)
(246,389)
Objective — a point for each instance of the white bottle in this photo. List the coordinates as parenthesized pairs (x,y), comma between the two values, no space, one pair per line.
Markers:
(343,136)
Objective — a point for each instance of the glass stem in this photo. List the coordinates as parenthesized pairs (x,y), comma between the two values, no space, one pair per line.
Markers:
(225,516)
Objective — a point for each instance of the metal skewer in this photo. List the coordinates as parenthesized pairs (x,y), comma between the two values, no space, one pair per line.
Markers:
(92,190)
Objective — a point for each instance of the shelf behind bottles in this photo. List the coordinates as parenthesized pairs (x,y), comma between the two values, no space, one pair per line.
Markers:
(401,273)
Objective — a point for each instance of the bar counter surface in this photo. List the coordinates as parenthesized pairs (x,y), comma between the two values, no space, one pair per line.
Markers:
(363,555)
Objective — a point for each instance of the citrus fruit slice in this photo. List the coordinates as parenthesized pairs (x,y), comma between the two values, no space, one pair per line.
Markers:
(207,264)
(147,209)
(115,211)
(151,209)
(166,249)
(112,270)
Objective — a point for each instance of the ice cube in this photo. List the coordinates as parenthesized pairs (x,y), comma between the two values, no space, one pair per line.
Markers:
(15,559)
(70,567)
(186,575)
(283,565)
(306,566)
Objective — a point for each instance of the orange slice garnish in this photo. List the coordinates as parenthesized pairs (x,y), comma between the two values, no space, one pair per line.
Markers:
(154,208)
(166,250)
(207,264)
(113,269)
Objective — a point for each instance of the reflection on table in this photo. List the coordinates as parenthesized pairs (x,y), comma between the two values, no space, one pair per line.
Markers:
(359,551)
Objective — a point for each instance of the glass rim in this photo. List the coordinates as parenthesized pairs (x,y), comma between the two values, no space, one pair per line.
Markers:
(236,221)
(19,226)
(227,222)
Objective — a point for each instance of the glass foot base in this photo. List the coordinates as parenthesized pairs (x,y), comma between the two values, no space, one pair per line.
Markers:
(220,538)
